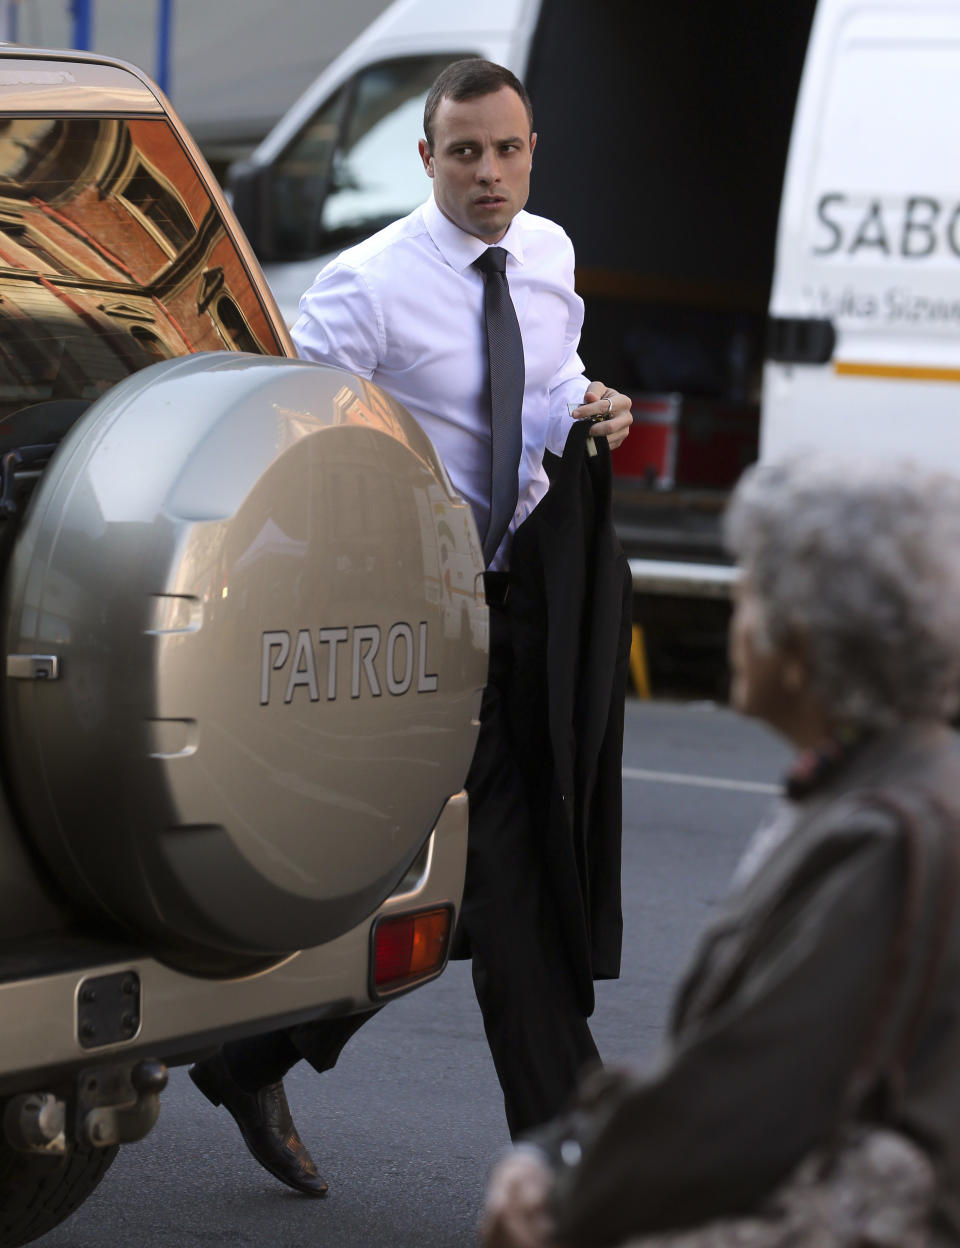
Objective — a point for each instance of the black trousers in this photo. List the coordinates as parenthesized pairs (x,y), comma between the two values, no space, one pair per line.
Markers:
(539,1040)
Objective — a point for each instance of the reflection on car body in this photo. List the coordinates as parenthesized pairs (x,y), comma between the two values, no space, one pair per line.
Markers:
(113,257)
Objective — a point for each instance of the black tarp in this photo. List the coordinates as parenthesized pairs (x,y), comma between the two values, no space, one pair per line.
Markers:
(663,131)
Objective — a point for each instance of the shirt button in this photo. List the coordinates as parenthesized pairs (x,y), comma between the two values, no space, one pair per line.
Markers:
(570,1152)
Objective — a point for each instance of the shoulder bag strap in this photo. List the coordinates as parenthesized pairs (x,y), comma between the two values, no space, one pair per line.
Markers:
(916,952)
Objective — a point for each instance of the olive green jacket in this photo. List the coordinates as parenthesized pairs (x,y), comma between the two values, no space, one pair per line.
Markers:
(785,996)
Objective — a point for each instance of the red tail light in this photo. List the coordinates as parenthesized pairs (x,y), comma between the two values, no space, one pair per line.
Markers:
(409,947)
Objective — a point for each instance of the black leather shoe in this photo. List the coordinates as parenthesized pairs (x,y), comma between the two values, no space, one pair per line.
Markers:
(265,1123)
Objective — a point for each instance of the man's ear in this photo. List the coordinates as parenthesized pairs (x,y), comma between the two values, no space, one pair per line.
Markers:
(426,156)
(533,142)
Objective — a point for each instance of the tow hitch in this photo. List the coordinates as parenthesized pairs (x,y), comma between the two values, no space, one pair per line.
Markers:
(107,1105)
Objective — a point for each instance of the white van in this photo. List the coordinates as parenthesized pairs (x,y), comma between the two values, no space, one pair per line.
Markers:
(764,200)
(869,239)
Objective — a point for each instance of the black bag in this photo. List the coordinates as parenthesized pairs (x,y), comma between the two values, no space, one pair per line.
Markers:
(872,1188)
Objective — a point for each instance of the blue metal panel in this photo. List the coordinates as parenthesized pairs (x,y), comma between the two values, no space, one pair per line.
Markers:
(164,40)
(82,12)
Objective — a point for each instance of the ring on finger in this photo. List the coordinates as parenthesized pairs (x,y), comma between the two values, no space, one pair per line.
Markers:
(609,406)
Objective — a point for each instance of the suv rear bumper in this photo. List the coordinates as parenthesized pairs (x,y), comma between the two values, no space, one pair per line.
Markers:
(181,1015)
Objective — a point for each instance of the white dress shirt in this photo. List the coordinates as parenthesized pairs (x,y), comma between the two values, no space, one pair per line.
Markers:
(405,309)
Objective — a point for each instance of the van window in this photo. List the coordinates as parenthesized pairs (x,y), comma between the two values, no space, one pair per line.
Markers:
(112,256)
(355,167)
(300,179)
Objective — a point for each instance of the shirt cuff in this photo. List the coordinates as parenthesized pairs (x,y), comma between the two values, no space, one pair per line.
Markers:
(560,420)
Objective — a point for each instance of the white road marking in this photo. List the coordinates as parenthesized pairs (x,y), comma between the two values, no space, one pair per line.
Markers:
(703,782)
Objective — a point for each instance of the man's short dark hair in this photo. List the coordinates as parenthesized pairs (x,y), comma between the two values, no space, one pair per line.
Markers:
(466,80)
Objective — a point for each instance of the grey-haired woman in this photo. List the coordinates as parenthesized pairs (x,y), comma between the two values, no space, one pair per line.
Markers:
(827,992)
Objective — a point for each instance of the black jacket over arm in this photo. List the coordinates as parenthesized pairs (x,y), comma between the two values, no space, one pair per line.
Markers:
(571,625)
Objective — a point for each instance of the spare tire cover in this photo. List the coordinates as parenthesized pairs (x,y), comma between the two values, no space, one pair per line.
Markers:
(265,602)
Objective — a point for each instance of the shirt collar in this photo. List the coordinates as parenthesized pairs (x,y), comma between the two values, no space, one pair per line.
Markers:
(459,248)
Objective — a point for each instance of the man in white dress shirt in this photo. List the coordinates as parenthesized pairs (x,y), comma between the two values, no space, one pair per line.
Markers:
(405,308)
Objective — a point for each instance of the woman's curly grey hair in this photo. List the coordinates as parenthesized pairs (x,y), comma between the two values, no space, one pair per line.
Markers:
(861,564)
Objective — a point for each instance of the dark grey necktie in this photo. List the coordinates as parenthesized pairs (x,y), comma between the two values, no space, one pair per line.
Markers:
(505,359)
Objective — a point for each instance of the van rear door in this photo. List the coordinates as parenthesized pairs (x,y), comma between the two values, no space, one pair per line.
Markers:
(864,350)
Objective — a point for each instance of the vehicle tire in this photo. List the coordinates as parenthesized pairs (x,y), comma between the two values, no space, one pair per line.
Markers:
(205,814)
(37,1193)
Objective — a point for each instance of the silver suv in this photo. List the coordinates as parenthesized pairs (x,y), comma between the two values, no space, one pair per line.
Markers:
(244,638)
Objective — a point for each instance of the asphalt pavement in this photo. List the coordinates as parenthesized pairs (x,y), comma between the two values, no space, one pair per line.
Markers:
(406,1127)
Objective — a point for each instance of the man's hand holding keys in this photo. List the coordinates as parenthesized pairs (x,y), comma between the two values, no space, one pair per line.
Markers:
(609,410)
